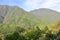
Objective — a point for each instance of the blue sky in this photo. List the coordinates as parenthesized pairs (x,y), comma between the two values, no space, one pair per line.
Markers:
(29,5)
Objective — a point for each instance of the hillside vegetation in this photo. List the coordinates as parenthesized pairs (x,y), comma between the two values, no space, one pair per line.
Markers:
(17,24)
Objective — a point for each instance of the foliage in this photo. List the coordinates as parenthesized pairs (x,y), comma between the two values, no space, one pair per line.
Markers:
(21,25)
(34,34)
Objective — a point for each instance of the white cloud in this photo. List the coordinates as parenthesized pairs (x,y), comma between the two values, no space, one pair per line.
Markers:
(50,3)
(34,4)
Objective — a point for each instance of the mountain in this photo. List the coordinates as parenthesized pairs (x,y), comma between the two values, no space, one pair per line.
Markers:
(46,16)
(17,17)
(13,17)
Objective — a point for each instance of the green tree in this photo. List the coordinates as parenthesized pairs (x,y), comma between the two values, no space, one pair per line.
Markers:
(0,38)
(58,36)
(34,34)
(13,36)
(49,36)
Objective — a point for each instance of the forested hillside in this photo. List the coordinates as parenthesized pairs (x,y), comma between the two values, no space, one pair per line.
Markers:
(18,17)
(18,24)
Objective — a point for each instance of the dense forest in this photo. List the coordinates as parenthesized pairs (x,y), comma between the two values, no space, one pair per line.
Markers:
(17,24)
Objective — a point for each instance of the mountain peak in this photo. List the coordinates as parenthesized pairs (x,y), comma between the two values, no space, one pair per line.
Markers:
(44,10)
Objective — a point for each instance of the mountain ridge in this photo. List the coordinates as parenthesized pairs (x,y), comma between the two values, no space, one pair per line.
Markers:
(44,9)
(46,14)
(41,13)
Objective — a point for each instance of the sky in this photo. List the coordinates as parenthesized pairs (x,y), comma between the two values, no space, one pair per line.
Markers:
(29,5)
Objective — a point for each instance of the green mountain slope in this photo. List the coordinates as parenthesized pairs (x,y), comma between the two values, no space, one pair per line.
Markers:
(46,15)
(17,24)
(17,17)
(13,17)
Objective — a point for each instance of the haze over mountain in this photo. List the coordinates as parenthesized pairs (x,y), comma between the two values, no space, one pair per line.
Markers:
(46,15)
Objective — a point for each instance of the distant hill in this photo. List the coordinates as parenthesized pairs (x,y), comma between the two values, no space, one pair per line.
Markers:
(46,15)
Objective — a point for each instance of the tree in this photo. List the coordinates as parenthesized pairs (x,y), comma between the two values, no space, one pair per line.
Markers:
(34,34)
(58,36)
(13,36)
(49,36)
(0,38)
(20,29)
